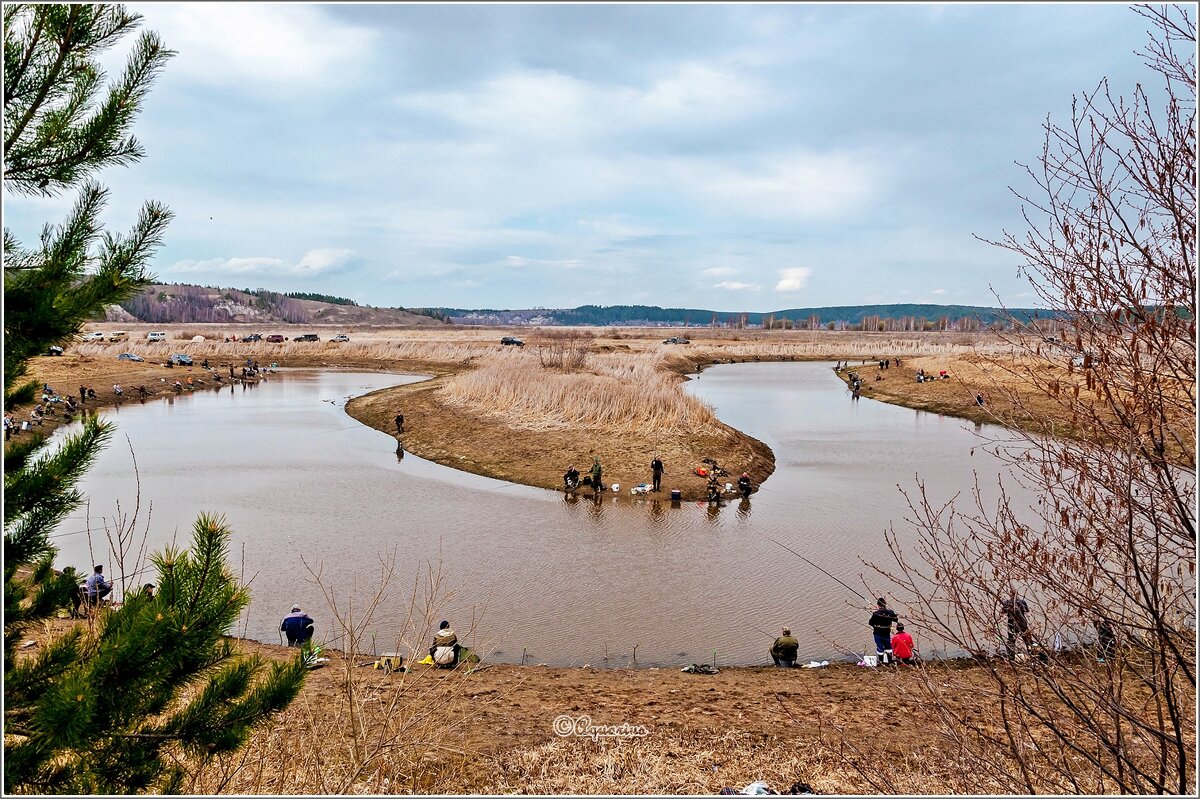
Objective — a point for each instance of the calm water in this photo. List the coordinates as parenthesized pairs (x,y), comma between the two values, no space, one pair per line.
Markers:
(542,577)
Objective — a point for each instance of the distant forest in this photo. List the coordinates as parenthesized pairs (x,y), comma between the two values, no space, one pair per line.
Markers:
(894,317)
(190,303)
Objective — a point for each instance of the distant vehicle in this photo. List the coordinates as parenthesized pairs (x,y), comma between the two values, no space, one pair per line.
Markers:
(129,356)
(252,337)
(157,335)
(95,335)
(54,351)
(118,335)
(307,337)
(180,359)
(340,337)
(1084,360)
(512,341)
(676,340)
(275,338)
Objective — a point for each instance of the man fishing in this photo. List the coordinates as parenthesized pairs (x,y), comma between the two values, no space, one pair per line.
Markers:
(881,626)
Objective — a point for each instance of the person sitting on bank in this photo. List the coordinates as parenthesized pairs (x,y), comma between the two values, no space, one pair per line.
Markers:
(902,646)
(97,588)
(571,478)
(783,651)
(298,627)
(445,647)
(744,485)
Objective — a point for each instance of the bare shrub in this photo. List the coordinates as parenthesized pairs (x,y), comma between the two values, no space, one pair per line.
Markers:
(565,349)
(1107,556)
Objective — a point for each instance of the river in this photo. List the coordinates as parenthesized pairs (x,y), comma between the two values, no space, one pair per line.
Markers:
(527,575)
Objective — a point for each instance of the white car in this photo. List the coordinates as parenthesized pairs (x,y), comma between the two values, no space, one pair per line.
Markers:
(340,337)
(95,335)
(156,336)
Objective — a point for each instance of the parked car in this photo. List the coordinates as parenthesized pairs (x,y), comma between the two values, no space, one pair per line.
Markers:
(340,337)
(1082,360)
(180,359)
(676,340)
(275,338)
(54,351)
(95,335)
(307,337)
(252,337)
(512,341)
(129,356)
(157,335)
(118,335)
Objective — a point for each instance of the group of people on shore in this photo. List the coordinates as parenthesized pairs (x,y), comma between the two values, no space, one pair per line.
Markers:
(572,479)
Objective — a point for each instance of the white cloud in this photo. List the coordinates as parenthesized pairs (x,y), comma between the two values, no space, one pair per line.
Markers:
(719,271)
(793,279)
(939,291)
(314,263)
(520,262)
(733,285)
(264,45)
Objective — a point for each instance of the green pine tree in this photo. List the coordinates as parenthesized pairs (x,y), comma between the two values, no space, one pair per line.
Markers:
(113,710)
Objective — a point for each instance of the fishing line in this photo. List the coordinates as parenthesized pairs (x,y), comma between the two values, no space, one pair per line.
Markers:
(815,566)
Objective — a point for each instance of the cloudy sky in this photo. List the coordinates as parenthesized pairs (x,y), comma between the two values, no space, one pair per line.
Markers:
(734,157)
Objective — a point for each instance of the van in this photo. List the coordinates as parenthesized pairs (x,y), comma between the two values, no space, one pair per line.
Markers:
(118,335)
(156,336)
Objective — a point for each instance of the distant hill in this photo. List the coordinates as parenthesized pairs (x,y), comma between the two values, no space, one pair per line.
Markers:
(180,302)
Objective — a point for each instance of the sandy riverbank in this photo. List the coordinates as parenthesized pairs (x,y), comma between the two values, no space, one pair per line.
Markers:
(493,729)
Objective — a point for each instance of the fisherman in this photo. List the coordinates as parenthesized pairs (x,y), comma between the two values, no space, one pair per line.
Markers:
(656,470)
(597,473)
(902,646)
(399,420)
(714,488)
(979,399)
(96,587)
(881,625)
(744,485)
(783,651)
(1016,614)
(1106,640)
(571,478)
(298,627)
(445,647)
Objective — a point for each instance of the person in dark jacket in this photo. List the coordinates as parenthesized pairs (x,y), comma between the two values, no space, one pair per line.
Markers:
(297,626)
(571,478)
(1016,614)
(744,485)
(399,420)
(881,625)
(656,472)
(783,651)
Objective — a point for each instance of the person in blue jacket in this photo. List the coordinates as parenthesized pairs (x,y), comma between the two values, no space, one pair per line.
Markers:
(297,626)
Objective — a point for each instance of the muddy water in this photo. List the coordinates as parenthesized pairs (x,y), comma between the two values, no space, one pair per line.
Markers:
(309,491)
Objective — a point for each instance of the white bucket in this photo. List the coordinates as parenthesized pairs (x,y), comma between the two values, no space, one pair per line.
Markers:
(871,660)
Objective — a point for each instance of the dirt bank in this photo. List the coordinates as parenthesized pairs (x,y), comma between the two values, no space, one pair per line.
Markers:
(493,729)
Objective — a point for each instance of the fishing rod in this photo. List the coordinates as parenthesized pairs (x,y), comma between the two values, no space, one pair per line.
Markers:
(815,566)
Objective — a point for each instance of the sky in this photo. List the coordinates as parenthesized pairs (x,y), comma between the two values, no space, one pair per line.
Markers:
(734,157)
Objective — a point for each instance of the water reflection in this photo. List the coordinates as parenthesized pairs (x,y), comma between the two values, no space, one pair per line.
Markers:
(563,578)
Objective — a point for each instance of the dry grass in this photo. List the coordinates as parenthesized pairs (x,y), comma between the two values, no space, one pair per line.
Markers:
(625,393)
